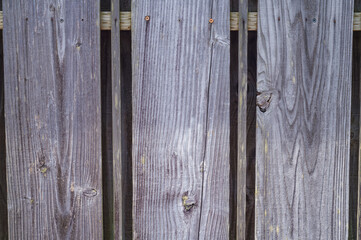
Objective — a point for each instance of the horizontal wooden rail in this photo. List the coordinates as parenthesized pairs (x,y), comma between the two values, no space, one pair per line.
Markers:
(125,21)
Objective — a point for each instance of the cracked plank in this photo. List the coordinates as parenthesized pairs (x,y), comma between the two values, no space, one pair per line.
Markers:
(303,119)
(53,119)
(181,85)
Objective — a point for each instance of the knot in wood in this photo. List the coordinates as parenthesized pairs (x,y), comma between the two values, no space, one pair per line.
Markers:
(264,101)
(188,202)
(90,192)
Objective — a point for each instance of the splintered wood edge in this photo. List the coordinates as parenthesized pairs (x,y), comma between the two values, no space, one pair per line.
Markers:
(125,21)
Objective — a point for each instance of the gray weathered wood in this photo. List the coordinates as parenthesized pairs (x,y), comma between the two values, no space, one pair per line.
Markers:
(303,119)
(53,124)
(242,119)
(180,119)
(3,192)
(117,122)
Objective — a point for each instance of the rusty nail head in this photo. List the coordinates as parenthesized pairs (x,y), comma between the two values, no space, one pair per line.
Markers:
(146,18)
(211,20)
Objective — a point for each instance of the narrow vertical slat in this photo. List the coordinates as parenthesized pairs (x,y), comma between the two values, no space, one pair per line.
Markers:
(3,192)
(242,119)
(303,119)
(53,119)
(117,121)
(180,119)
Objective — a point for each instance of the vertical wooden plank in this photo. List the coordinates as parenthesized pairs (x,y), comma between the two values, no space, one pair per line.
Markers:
(303,119)
(3,191)
(180,119)
(117,121)
(53,123)
(242,118)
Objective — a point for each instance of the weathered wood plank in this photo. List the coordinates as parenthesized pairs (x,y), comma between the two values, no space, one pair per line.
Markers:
(3,192)
(53,123)
(180,119)
(242,119)
(117,122)
(303,119)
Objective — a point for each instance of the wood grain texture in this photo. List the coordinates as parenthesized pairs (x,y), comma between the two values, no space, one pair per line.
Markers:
(180,119)
(303,119)
(117,122)
(53,121)
(3,191)
(242,119)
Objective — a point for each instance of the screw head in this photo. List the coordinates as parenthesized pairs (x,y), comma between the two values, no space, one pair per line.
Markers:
(147,18)
(211,20)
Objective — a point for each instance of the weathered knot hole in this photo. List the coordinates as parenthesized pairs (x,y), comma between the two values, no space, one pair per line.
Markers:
(263,101)
(90,192)
(61,20)
(188,202)
(78,44)
(314,20)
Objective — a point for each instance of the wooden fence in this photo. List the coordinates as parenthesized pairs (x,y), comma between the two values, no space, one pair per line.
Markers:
(180,119)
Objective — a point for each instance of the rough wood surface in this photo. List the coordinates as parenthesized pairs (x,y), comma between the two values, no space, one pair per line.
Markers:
(53,123)
(125,20)
(180,119)
(242,119)
(303,119)
(3,192)
(117,122)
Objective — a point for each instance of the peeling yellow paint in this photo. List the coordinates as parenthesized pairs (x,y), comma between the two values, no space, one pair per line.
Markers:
(294,79)
(271,228)
(72,187)
(278,230)
(265,213)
